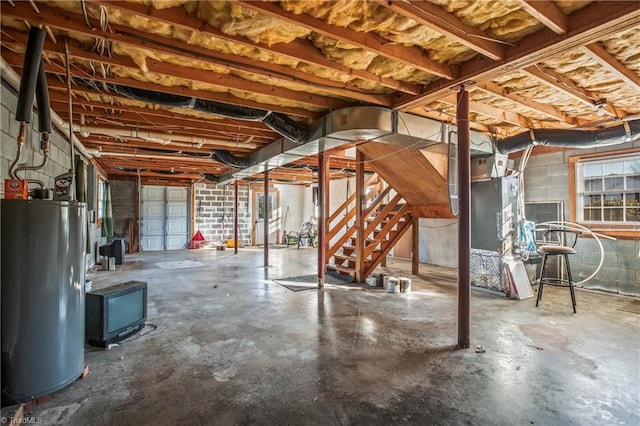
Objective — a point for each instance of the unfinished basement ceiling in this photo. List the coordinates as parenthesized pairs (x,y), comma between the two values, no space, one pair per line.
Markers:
(534,64)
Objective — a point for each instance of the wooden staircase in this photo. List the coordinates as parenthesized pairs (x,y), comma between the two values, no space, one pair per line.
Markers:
(383,225)
(357,243)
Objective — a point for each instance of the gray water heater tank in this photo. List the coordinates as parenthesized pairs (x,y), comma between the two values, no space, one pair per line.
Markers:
(43,245)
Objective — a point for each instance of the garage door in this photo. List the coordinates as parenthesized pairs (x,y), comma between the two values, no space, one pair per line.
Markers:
(165,218)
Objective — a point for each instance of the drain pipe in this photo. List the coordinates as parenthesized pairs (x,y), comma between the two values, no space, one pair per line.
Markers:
(627,131)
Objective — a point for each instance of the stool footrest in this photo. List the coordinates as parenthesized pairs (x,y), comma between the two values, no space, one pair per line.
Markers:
(557,282)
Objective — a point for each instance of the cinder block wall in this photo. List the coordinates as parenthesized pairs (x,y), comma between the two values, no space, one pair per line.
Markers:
(214,212)
(546,179)
(123,204)
(59,153)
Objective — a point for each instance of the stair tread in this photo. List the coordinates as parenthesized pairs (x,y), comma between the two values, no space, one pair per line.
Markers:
(340,268)
(344,256)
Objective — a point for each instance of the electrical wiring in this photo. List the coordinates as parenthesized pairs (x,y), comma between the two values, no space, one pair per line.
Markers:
(130,339)
(572,226)
(85,14)
(440,226)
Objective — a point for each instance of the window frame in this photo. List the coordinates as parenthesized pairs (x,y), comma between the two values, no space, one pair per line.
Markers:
(622,230)
(100,199)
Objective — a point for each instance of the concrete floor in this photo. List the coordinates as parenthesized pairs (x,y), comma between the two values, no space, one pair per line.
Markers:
(250,351)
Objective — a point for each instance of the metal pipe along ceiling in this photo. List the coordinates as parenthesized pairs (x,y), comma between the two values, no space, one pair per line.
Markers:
(163,138)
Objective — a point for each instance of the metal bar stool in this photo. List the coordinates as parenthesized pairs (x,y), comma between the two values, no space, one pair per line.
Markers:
(555,244)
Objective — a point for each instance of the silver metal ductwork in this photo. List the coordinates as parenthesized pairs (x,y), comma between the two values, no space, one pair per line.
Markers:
(358,124)
(571,138)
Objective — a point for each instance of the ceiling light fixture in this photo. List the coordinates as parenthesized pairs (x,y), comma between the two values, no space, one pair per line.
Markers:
(599,105)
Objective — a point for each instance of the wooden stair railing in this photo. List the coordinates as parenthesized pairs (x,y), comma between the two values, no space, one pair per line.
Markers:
(385,225)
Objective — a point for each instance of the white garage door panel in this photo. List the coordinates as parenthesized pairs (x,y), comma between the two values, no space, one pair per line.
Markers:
(152,209)
(165,218)
(177,210)
(153,242)
(177,194)
(153,193)
(176,226)
(176,242)
(153,226)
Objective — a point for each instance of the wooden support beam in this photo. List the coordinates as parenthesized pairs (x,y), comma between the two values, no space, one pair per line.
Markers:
(233,142)
(547,12)
(596,21)
(600,54)
(408,55)
(223,97)
(185,73)
(130,37)
(447,24)
(547,109)
(568,87)
(298,50)
(491,111)
(120,104)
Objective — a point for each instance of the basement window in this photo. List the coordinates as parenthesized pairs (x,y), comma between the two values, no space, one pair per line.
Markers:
(101,196)
(608,190)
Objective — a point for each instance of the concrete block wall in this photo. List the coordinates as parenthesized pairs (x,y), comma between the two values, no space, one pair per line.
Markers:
(123,205)
(59,153)
(546,179)
(214,212)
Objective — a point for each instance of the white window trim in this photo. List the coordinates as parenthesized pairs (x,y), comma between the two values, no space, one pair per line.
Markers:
(580,192)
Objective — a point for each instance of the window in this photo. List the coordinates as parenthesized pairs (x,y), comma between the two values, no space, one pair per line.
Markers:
(608,190)
(270,207)
(101,196)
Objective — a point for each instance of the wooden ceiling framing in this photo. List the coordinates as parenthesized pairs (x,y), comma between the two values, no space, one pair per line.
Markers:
(301,62)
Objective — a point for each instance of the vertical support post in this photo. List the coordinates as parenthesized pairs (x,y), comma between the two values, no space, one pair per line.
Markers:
(323,185)
(464,222)
(265,214)
(415,246)
(236,214)
(361,205)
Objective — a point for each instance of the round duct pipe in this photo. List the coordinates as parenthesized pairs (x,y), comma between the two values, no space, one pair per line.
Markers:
(571,138)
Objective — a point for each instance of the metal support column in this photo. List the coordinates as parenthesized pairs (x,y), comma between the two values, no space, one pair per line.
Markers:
(323,186)
(265,215)
(235,217)
(361,205)
(415,246)
(464,219)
